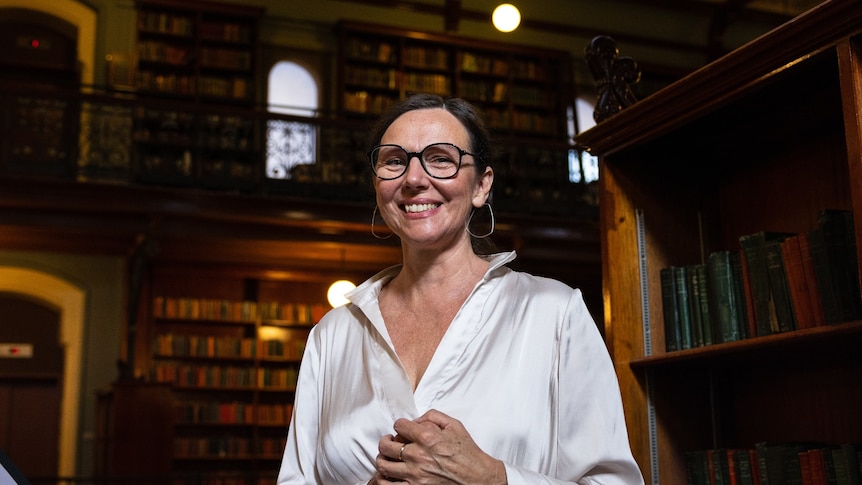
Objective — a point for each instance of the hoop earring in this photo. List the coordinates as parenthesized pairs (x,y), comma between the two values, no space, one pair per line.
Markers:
(467,226)
(374,216)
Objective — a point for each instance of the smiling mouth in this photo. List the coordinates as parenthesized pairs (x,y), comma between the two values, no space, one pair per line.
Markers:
(412,208)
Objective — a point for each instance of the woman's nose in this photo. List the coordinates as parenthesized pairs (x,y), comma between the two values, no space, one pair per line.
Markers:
(416,174)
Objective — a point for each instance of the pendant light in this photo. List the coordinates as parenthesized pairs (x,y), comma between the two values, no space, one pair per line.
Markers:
(335,294)
(506,17)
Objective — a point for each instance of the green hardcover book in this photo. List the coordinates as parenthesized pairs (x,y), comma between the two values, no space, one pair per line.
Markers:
(742,461)
(781,299)
(697,468)
(723,297)
(703,300)
(670,310)
(739,292)
(754,251)
(694,292)
(682,303)
(714,467)
(845,460)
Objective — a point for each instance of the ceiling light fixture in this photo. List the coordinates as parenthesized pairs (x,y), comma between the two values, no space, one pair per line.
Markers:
(335,294)
(506,17)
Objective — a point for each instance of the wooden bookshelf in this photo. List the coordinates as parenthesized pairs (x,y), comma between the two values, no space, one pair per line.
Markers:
(761,139)
(225,343)
(193,54)
(524,91)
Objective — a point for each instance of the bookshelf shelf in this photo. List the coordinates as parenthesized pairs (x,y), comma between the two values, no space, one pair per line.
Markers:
(195,54)
(223,344)
(781,345)
(379,65)
(730,150)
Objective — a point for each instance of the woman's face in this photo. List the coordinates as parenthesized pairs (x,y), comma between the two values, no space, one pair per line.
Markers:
(424,211)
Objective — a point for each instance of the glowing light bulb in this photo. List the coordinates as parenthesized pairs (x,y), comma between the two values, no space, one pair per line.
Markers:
(506,17)
(336,292)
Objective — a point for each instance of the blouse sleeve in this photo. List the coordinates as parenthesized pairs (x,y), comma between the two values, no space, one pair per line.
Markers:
(592,440)
(297,463)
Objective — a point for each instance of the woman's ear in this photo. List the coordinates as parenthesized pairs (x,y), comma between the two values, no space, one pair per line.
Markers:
(483,187)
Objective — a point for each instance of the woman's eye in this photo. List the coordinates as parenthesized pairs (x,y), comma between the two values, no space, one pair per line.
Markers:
(441,160)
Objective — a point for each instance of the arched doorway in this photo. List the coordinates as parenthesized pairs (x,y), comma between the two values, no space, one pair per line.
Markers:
(69,300)
(31,383)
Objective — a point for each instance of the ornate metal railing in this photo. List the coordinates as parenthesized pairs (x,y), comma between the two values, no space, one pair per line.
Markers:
(92,135)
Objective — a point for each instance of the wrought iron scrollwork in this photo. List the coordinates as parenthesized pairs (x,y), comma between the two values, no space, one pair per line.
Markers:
(614,76)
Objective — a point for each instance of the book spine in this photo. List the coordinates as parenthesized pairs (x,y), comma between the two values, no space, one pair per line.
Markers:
(828,294)
(670,310)
(797,285)
(752,246)
(745,276)
(694,304)
(684,310)
(784,313)
(810,277)
(706,317)
(723,297)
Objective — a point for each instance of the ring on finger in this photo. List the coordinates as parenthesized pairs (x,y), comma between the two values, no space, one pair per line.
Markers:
(401,452)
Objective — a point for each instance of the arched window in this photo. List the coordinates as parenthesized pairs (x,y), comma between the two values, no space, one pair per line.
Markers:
(293,91)
(583,167)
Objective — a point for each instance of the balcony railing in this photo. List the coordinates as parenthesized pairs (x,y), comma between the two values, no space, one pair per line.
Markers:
(93,135)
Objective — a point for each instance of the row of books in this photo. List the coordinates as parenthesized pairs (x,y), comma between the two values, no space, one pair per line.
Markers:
(226,32)
(224,377)
(776,282)
(235,447)
(165,83)
(807,279)
(222,478)
(239,311)
(365,102)
(776,464)
(426,57)
(196,412)
(520,69)
(520,120)
(370,50)
(226,58)
(182,345)
(163,23)
(430,83)
(155,51)
(438,58)
(213,447)
(380,78)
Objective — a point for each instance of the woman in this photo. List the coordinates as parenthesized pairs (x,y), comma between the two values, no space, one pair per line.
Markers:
(452,368)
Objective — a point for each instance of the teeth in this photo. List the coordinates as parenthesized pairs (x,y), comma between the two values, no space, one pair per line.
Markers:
(419,207)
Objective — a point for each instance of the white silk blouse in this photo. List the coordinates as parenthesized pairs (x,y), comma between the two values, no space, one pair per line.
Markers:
(522,366)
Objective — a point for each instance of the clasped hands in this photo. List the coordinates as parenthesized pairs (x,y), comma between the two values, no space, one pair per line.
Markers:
(434,449)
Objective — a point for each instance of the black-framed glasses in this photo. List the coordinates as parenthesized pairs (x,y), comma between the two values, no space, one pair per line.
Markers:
(440,160)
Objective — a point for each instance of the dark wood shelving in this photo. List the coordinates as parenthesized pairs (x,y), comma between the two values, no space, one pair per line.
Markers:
(729,150)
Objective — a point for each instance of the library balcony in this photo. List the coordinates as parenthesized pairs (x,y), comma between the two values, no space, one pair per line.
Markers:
(94,137)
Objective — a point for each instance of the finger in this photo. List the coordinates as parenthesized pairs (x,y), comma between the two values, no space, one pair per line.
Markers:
(390,448)
(438,418)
